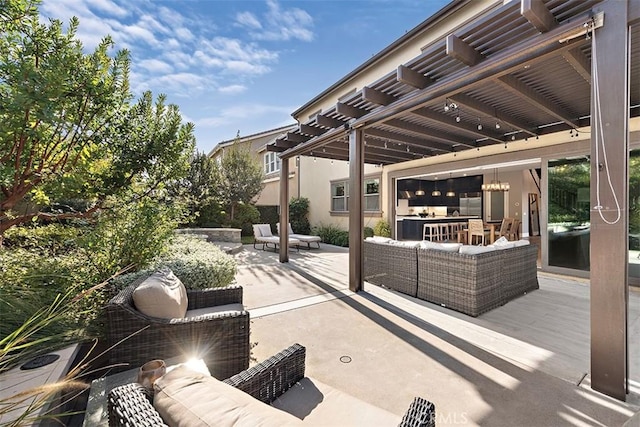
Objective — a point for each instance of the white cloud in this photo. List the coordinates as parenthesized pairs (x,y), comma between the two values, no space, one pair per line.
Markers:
(248,19)
(279,24)
(232,89)
(109,7)
(232,55)
(155,65)
(244,112)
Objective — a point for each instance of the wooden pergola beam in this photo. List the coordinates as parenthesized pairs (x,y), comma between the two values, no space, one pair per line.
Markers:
(485,110)
(412,78)
(376,97)
(467,127)
(349,111)
(427,132)
(296,138)
(458,49)
(310,130)
(539,101)
(411,140)
(579,62)
(538,15)
(328,122)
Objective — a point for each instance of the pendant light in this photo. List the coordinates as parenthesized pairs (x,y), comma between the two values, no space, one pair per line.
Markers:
(450,192)
(436,192)
(495,184)
(419,191)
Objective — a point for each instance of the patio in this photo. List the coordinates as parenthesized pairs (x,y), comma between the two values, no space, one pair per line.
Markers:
(525,363)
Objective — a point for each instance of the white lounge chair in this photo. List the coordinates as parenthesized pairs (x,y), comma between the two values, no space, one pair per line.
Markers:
(304,238)
(262,235)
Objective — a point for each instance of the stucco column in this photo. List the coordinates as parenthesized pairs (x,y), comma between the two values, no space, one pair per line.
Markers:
(609,195)
(356,213)
(284,210)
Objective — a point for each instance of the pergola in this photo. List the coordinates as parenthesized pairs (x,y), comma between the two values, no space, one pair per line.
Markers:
(522,69)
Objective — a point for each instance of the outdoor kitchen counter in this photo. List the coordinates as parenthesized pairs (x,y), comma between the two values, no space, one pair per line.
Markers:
(410,227)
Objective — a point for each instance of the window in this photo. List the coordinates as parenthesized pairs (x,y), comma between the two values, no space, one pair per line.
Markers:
(271,163)
(340,195)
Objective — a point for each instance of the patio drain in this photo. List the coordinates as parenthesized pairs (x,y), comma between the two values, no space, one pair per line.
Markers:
(345,359)
(40,361)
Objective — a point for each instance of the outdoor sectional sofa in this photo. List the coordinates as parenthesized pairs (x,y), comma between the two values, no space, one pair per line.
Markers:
(472,283)
(272,393)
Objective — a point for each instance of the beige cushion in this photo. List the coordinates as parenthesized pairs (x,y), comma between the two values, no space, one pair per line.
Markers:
(447,247)
(185,398)
(521,242)
(473,250)
(161,295)
(503,243)
(226,308)
(265,230)
(321,405)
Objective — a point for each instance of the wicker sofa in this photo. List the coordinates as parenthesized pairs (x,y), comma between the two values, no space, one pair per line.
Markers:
(470,283)
(268,382)
(220,338)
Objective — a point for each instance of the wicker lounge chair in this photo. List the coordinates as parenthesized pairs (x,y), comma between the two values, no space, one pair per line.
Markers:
(131,405)
(304,238)
(262,236)
(221,339)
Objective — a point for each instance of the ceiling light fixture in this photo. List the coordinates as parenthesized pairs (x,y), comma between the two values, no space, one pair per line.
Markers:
(436,192)
(450,192)
(495,184)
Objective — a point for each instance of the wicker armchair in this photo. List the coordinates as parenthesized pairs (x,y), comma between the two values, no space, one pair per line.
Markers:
(221,339)
(131,405)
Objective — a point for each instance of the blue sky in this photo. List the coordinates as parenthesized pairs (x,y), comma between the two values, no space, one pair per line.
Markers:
(241,65)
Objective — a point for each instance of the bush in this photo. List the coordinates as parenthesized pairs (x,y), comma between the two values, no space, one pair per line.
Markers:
(131,235)
(245,216)
(269,215)
(298,213)
(198,264)
(382,228)
(51,239)
(368,232)
(332,235)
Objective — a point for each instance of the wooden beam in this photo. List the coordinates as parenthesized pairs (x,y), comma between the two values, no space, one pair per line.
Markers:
(376,97)
(356,211)
(538,15)
(328,122)
(609,220)
(275,148)
(458,49)
(539,101)
(412,78)
(485,110)
(311,130)
(284,211)
(349,111)
(411,140)
(471,128)
(579,62)
(294,137)
(427,132)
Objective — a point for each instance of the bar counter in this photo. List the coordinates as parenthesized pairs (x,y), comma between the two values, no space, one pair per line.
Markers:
(410,227)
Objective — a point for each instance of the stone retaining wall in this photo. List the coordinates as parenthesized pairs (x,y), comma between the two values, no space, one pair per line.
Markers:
(214,234)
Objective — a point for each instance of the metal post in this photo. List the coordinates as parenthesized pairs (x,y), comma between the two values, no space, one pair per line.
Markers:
(356,203)
(609,209)
(284,210)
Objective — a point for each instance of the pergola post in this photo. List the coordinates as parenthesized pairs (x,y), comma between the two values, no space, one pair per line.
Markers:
(284,210)
(356,213)
(609,206)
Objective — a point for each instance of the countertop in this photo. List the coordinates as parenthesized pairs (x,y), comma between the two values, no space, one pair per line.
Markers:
(435,218)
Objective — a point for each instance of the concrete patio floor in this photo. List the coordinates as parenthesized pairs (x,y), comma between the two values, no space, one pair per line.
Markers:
(523,364)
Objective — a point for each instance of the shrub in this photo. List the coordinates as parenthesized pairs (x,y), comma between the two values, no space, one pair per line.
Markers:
(368,232)
(269,215)
(245,216)
(198,264)
(298,213)
(51,239)
(332,235)
(382,228)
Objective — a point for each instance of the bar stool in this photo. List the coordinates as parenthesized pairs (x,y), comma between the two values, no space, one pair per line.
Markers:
(454,229)
(443,230)
(431,231)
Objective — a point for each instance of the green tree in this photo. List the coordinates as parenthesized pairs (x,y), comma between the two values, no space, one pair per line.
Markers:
(241,178)
(298,213)
(67,126)
(198,188)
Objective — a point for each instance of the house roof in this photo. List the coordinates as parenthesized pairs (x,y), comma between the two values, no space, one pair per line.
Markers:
(264,134)
(512,73)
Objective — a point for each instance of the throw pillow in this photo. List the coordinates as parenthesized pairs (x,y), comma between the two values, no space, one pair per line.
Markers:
(503,243)
(474,250)
(161,295)
(185,398)
(265,230)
